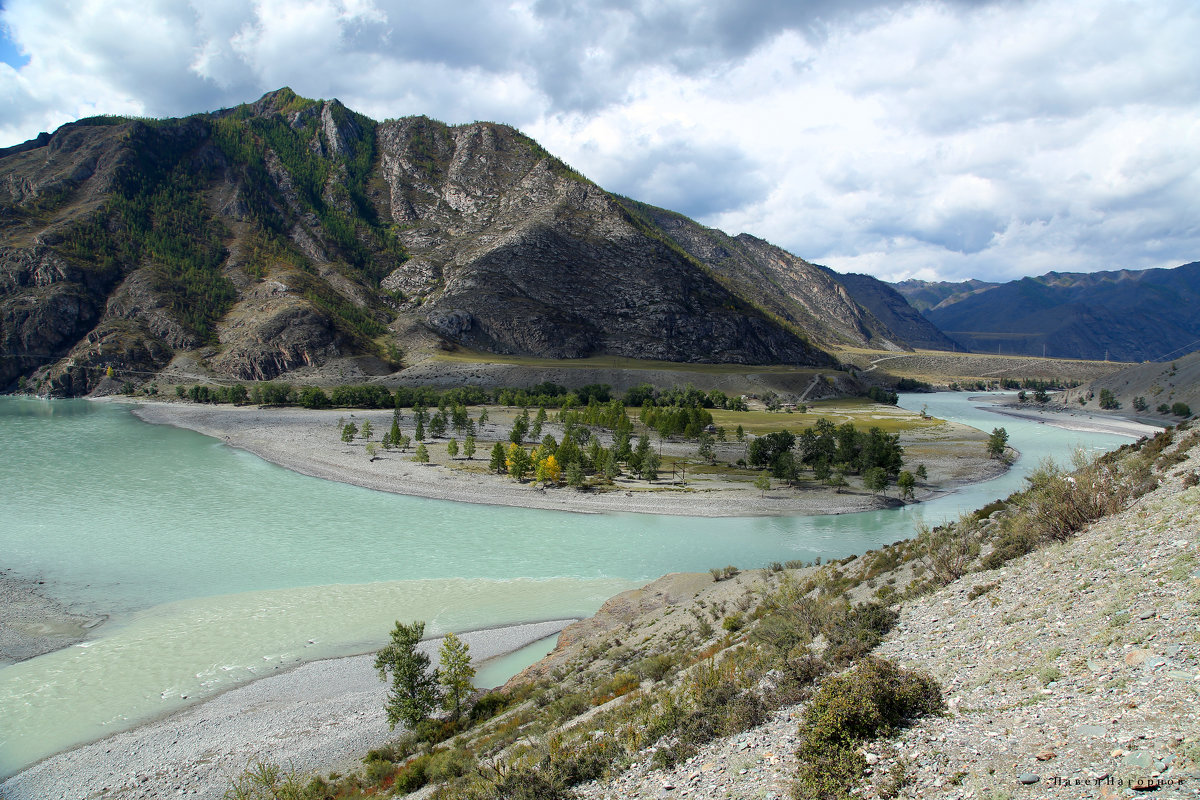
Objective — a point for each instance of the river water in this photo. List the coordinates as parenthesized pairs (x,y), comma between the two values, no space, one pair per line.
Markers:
(216,567)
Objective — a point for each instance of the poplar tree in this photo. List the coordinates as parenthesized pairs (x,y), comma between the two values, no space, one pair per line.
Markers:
(455,673)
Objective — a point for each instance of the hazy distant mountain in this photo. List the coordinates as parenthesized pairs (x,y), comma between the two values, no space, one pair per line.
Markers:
(923,295)
(292,233)
(1125,315)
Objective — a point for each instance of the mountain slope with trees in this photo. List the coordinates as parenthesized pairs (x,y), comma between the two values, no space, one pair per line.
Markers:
(291,234)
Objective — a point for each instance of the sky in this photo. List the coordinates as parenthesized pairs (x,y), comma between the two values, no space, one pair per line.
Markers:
(937,140)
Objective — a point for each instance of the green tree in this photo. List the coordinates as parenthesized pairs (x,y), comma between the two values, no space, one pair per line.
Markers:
(763,483)
(366,431)
(518,461)
(469,447)
(838,481)
(395,429)
(437,425)
(536,431)
(483,416)
(452,448)
(422,454)
(997,442)
(875,479)
(574,475)
(1181,409)
(419,433)
(497,463)
(520,428)
(1108,400)
(650,465)
(414,688)
(907,485)
(349,432)
(1140,404)
(740,433)
(922,474)
(372,450)
(455,673)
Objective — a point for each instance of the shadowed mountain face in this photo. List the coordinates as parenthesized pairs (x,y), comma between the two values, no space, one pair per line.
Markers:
(1126,315)
(290,234)
(890,308)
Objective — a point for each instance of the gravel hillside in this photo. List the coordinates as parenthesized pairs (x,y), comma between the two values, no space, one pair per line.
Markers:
(1073,671)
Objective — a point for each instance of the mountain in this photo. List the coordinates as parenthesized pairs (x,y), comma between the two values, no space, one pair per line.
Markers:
(924,295)
(291,234)
(891,308)
(802,295)
(1124,315)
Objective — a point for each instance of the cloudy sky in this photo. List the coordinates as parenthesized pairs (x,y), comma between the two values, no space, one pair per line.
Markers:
(939,140)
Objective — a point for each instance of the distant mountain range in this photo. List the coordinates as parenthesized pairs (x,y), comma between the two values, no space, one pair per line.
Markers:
(1126,315)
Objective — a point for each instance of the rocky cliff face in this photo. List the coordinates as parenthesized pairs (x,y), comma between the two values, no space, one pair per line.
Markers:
(291,233)
(889,307)
(801,295)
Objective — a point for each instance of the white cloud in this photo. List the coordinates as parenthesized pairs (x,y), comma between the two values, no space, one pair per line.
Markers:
(950,139)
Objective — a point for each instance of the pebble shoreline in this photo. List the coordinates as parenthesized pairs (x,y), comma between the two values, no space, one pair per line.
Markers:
(323,715)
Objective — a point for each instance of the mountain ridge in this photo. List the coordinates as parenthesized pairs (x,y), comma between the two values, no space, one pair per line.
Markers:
(1125,315)
(294,234)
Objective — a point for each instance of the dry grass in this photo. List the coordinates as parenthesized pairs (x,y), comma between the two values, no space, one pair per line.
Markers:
(941,367)
(464,355)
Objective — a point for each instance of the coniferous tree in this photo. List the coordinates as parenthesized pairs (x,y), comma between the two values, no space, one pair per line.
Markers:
(497,463)
(469,447)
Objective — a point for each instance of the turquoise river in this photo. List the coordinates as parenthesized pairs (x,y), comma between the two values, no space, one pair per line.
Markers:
(214,567)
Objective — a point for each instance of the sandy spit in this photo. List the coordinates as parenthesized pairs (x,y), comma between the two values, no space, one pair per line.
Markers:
(1078,420)
(324,715)
(33,623)
(305,441)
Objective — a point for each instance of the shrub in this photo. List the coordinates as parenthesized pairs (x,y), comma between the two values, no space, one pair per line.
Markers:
(947,551)
(655,667)
(488,705)
(1181,410)
(874,699)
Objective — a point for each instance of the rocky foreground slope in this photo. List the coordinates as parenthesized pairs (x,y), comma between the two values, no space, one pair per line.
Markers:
(1073,671)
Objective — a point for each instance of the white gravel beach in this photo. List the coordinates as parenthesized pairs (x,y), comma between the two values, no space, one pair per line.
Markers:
(1060,417)
(324,715)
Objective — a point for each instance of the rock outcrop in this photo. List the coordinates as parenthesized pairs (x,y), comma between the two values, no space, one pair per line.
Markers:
(290,233)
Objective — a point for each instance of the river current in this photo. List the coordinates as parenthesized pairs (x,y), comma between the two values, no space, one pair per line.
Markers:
(215,567)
